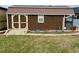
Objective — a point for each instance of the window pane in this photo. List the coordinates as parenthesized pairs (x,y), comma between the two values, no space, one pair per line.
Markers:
(16,25)
(22,18)
(69,19)
(23,25)
(15,19)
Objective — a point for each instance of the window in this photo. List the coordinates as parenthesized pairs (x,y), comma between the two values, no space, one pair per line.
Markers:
(69,19)
(40,19)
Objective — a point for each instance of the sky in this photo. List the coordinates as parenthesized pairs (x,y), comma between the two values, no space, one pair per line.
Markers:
(7,3)
(5,6)
(39,2)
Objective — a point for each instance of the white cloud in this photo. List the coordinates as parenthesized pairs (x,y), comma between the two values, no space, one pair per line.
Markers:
(39,2)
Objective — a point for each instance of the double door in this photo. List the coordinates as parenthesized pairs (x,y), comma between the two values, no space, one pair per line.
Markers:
(19,22)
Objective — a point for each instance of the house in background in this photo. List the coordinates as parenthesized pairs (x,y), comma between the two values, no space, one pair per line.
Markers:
(39,17)
(76,18)
(3,24)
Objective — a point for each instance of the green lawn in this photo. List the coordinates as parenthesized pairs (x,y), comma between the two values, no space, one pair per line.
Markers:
(39,44)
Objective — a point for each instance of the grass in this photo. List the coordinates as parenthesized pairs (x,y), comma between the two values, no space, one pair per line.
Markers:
(38,44)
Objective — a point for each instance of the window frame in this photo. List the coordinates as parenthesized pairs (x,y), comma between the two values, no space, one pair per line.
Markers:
(40,16)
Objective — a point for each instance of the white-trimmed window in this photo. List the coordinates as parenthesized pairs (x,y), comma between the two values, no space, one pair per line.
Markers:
(40,19)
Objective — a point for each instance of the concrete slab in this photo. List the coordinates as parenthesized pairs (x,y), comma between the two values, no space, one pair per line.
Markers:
(23,32)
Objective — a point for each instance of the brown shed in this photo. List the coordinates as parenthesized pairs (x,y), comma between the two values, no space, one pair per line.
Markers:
(3,24)
(38,17)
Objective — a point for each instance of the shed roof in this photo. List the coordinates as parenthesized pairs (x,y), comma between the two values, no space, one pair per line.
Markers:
(40,10)
(3,8)
(39,6)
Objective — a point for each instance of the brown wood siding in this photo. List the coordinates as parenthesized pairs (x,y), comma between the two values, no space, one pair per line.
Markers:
(3,24)
(51,22)
(32,22)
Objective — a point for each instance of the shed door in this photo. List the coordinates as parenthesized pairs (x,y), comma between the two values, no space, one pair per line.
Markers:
(19,21)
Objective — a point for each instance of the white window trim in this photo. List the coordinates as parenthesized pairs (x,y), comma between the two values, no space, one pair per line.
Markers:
(39,16)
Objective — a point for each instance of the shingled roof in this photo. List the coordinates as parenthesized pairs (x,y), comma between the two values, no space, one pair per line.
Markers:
(40,10)
(39,6)
(3,8)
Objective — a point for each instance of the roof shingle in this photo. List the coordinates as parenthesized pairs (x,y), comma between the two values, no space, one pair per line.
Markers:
(40,10)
